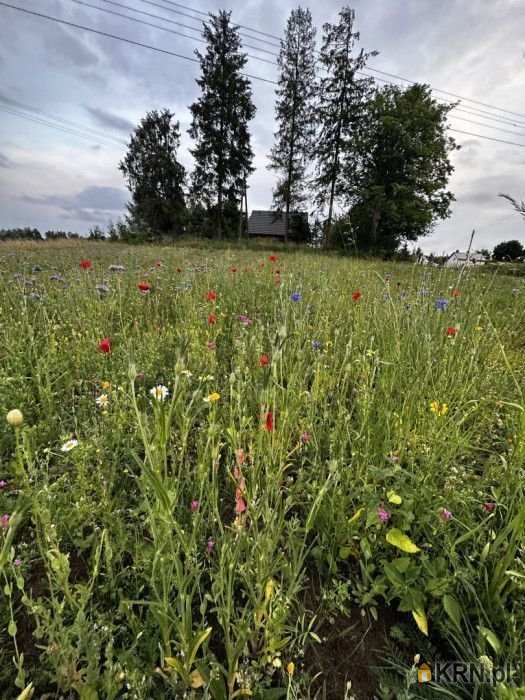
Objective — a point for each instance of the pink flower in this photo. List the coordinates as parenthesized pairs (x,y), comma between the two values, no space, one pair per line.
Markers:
(445,515)
(211,345)
(210,545)
(383,515)
(245,320)
(3,484)
(195,505)
(17,562)
(305,438)
(240,503)
(4,521)
(489,507)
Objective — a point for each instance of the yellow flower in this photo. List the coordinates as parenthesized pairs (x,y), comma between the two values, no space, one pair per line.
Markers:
(440,409)
(15,418)
(212,397)
(290,668)
(105,385)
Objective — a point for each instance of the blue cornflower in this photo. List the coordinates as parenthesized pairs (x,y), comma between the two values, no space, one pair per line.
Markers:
(296,296)
(441,304)
(316,345)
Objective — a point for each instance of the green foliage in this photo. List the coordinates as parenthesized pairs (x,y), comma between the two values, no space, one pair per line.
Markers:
(154,176)
(405,169)
(223,154)
(341,108)
(178,547)
(508,250)
(294,139)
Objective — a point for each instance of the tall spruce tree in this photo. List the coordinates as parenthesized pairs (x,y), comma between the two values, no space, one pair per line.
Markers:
(294,113)
(154,176)
(342,101)
(223,154)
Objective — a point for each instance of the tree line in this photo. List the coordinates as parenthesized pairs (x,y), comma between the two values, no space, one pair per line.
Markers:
(372,163)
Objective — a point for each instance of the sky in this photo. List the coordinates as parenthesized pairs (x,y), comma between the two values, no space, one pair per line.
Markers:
(58,75)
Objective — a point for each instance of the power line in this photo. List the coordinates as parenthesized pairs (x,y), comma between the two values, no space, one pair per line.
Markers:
(488,138)
(374,70)
(184,14)
(446,92)
(120,38)
(206,14)
(193,60)
(164,29)
(488,126)
(36,112)
(45,122)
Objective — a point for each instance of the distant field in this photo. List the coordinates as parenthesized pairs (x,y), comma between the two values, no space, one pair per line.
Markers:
(256,473)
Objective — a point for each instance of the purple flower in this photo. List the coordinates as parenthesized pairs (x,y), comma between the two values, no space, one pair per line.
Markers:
(383,515)
(210,545)
(3,484)
(4,521)
(17,562)
(445,515)
(296,296)
(245,320)
(316,345)
(195,505)
(441,304)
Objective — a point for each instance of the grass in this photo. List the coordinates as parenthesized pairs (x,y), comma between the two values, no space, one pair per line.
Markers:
(328,470)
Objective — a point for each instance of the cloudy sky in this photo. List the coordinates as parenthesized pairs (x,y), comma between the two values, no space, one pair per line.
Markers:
(58,75)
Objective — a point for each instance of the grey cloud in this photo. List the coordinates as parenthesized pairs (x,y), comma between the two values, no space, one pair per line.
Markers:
(107,199)
(5,162)
(113,121)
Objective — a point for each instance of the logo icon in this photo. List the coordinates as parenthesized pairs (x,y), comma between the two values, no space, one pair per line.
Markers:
(424,674)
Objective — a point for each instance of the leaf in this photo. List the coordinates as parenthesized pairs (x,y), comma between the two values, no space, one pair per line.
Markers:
(355,517)
(453,609)
(398,539)
(11,630)
(201,638)
(393,497)
(421,621)
(217,689)
(345,552)
(87,692)
(27,693)
(491,638)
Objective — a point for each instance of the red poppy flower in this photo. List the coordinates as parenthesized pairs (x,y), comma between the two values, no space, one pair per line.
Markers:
(269,422)
(211,296)
(273,258)
(264,360)
(86,264)
(212,318)
(144,287)
(356,295)
(105,346)
(451,331)
(456,293)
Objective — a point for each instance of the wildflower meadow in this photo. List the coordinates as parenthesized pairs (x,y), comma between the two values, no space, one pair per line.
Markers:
(235,472)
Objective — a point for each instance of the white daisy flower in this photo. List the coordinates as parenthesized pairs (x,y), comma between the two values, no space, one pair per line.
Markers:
(102,401)
(159,392)
(69,445)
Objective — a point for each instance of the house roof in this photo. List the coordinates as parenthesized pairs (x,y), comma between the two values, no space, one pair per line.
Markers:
(266,223)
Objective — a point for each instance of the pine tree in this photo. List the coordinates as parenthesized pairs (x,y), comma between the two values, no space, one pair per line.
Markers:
(223,154)
(154,176)
(294,113)
(342,100)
